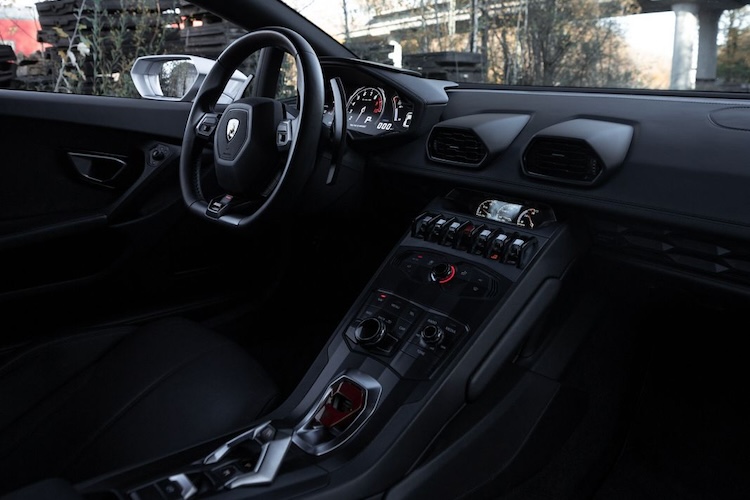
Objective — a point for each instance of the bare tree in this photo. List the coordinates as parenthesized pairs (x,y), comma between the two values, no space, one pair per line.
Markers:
(524,42)
(557,42)
(118,37)
(733,61)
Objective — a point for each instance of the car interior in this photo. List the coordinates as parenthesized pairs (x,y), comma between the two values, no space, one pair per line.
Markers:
(382,285)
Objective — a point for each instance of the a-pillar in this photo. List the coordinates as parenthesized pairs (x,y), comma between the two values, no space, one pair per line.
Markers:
(685,34)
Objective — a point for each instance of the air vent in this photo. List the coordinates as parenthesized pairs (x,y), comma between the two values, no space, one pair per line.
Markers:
(704,255)
(456,146)
(562,159)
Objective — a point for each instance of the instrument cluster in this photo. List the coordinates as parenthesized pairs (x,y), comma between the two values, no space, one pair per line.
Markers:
(373,110)
(376,111)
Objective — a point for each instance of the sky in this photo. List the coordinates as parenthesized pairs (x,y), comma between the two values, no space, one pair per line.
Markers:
(646,31)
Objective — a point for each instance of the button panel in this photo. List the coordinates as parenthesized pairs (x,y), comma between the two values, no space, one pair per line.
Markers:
(457,278)
(489,241)
(415,338)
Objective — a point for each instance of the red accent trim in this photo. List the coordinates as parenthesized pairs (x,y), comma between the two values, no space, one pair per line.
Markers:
(345,401)
(450,276)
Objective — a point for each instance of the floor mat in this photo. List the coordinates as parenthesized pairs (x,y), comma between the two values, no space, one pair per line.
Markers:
(689,438)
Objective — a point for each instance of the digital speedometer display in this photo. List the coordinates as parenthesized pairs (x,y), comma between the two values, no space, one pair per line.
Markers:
(373,111)
(520,214)
(499,210)
(365,108)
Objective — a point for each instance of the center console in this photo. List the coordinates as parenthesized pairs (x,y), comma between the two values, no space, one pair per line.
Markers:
(446,312)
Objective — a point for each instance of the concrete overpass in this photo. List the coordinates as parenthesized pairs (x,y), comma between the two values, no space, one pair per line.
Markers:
(696,28)
(696,21)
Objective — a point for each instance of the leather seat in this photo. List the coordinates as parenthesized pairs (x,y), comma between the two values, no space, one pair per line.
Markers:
(83,405)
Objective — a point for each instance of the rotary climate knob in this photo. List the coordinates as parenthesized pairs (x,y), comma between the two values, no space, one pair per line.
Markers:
(443,272)
(369,331)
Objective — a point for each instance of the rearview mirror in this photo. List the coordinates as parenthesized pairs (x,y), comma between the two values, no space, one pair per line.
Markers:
(178,77)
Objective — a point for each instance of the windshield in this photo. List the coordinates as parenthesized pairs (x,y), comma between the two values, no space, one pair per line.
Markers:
(88,46)
(701,45)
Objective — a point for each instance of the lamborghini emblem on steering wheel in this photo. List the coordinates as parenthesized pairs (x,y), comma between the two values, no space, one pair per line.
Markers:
(232,126)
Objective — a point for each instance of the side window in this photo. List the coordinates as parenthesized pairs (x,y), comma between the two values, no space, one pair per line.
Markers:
(287,86)
(89,46)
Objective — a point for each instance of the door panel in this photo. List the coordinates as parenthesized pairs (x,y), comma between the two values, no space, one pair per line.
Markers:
(74,249)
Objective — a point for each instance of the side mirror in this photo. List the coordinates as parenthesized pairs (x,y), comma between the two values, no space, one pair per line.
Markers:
(178,77)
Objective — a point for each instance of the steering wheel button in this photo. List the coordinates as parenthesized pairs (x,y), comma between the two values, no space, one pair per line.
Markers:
(218,206)
(207,125)
(284,135)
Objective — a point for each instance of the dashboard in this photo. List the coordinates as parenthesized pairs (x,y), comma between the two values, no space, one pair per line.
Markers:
(642,188)
(603,153)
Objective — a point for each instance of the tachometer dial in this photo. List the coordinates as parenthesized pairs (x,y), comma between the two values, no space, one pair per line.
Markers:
(364,108)
(526,218)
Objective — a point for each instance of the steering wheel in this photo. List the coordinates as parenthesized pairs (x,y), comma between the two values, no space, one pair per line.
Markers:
(262,157)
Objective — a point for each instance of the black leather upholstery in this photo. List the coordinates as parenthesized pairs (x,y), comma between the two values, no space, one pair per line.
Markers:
(83,405)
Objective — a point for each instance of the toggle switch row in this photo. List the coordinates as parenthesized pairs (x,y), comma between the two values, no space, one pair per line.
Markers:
(484,240)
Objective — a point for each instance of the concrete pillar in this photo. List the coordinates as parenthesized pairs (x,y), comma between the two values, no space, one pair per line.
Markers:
(452,17)
(685,34)
(708,31)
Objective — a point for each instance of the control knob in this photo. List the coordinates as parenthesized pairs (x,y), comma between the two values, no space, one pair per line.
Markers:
(431,335)
(369,331)
(443,272)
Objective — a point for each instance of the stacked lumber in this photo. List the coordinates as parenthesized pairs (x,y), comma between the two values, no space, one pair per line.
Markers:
(203,33)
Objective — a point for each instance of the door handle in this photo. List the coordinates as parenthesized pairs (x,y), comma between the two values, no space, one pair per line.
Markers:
(98,168)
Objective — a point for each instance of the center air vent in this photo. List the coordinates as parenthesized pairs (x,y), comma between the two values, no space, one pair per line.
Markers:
(456,146)
(474,140)
(568,160)
(579,151)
